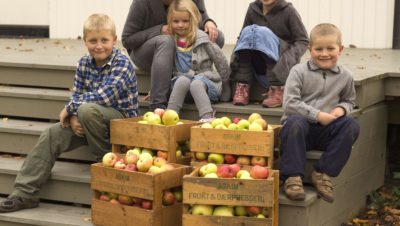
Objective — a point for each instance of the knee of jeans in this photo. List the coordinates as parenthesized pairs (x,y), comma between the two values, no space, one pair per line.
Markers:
(353,127)
(87,112)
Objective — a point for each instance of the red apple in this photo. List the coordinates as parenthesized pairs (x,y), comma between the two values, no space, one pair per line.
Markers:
(147,204)
(159,111)
(114,201)
(253,210)
(168,198)
(243,160)
(225,171)
(258,160)
(235,168)
(236,119)
(137,201)
(259,172)
(131,167)
(162,154)
(120,164)
(130,158)
(229,159)
(104,197)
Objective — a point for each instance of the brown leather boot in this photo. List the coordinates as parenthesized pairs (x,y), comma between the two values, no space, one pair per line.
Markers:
(241,96)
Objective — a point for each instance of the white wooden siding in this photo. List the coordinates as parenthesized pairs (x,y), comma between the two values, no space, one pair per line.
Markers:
(364,23)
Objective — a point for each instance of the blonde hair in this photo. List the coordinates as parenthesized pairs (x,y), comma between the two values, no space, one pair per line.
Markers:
(325,29)
(194,15)
(98,22)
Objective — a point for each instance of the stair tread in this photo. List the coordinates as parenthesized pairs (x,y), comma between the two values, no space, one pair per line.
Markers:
(50,214)
(63,171)
(23,126)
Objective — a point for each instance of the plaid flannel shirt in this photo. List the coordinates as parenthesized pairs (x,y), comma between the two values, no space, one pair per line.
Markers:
(112,85)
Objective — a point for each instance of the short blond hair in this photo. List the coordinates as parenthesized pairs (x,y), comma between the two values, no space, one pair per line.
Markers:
(324,29)
(194,15)
(98,22)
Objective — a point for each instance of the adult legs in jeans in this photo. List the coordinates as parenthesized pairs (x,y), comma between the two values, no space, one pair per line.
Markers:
(157,56)
(55,140)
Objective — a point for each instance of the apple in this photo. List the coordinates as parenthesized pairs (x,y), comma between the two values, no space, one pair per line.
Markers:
(178,194)
(131,158)
(104,197)
(258,160)
(255,127)
(137,201)
(245,176)
(208,168)
(168,198)
(253,117)
(125,200)
(202,209)
(243,124)
(144,164)
(136,150)
(232,126)
(120,164)
(146,150)
(147,204)
(112,195)
(229,158)
(243,160)
(159,111)
(178,153)
(253,210)
(143,122)
(223,211)
(158,161)
(154,170)
(211,175)
(162,154)
(225,171)
(114,201)
(109,159)
(154,119)
(260,216)
(236,120)
(179,123)
(216,122)
(145,155)
(262,122)
(216,158)
(200,155)
(170,117)
(240,173)
(259,172)
(131,167)
(226,121)
(167,167)
(235,168)
(206,125)
(146,115)
(220,126)
(240,211)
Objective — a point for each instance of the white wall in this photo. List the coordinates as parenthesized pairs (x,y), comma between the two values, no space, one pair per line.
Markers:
(364,23)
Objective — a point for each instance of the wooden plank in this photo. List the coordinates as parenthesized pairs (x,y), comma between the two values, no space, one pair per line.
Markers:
(196,220)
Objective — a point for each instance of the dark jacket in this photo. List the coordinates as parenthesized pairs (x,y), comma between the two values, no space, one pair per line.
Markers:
(284,20)
(145,19)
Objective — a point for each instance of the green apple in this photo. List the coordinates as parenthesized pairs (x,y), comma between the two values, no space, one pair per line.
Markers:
(206,125)
(216,122)
(154,170)
(147,150)
(146,155)
(240,173)
(255,127)
(216,158)
(262,122)
(143,122)
(200,156)
(178,153)
(220,126)
(243,124)
(202,209)
(232,126)
(144,164)
(254,116)
(154,119)
(246,176)
(226,121)
(136,150)
(223,211)
(178,195)
(208,168)
(240,211)
(211,175)
(147,114)
(170,117)
(259,216)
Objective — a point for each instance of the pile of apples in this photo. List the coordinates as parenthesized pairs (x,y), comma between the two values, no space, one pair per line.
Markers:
(244,211)
(138,159)
(161,117)
(218,158)
(212,170)
(119,199)
(255,122)
(172,196)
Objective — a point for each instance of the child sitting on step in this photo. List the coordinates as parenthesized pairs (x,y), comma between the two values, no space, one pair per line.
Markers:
(104,89)
(319,96)
(272,40)
(194,59)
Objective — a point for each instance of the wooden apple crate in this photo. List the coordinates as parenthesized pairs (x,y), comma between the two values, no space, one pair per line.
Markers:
(237,142)
(157,137)
(231,192)
(136,184)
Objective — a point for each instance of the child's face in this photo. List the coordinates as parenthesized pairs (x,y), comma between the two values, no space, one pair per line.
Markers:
(268,2)
(325,51)
(100,45)
(180,23)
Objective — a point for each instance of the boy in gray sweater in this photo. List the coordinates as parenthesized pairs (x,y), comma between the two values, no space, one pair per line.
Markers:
(319,95)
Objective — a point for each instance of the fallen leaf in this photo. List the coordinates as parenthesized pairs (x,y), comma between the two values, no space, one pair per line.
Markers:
(352,46)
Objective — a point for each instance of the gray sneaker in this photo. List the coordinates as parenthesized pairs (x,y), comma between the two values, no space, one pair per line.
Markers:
(323,184)
(16,203)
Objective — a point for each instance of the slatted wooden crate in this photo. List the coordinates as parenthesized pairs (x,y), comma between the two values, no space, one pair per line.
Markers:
(237,142)
(140,185)
(230,192)
(128,132)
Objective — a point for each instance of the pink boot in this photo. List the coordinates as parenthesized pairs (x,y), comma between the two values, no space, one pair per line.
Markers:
(275,97)
(241,96)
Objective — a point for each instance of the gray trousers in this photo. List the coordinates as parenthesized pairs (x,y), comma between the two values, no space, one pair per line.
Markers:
(157,56)
(36,169)
(198,90)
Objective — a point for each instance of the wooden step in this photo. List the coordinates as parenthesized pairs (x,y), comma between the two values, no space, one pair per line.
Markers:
(48,214)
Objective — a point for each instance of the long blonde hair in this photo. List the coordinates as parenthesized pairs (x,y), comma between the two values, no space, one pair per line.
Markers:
(194,15)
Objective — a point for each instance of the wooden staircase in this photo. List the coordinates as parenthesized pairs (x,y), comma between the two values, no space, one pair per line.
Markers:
(32,95)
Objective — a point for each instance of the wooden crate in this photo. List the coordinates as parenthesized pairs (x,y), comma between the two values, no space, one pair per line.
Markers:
(157,137)
(136,184)
(231,192)
(251,143)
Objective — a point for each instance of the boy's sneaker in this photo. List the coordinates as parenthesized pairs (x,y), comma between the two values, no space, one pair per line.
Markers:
(294,188)
(274,98)
(16,203)
(241,96)
(205,120)
(323,184)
